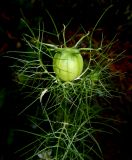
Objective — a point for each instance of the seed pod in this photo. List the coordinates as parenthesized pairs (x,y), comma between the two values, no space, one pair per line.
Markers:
(68,64)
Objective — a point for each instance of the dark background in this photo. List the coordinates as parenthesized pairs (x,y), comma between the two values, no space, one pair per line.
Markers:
(118,20)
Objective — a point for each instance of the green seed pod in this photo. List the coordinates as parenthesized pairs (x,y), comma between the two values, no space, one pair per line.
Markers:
(68,64)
